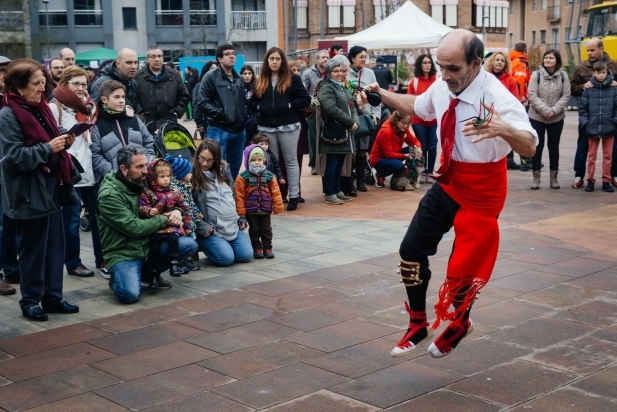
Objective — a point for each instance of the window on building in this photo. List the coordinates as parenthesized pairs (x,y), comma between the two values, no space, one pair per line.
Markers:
(533,37)
(88,13)
(490,14)
(511,6)
(198,5)
(534,5)
(129,18)
(301,13)
(555,38)
(243,5)
(169,4)
(87,4)
(542,36)
(543,4)
(341,13)
(445,11)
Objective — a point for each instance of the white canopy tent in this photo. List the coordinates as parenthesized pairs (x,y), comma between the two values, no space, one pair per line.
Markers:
(406,28)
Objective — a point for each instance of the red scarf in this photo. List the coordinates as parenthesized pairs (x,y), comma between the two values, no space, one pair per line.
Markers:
(480,189)
(82,109)
(34,133)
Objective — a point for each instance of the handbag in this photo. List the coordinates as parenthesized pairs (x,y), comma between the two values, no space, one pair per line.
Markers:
(333,132)
(365,124)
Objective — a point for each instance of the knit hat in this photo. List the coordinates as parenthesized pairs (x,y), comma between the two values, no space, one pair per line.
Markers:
(257,150)
(180,167)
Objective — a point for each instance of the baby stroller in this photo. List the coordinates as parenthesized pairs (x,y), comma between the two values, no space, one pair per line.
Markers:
(173,139)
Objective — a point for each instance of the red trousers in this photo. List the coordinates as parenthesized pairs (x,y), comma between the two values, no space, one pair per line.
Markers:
(607,158)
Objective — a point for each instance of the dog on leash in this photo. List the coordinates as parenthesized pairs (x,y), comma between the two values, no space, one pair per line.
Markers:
(408,177)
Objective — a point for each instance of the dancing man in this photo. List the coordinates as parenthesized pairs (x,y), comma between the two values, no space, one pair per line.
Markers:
(479,121)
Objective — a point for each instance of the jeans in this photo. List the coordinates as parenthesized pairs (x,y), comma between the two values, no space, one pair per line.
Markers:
(8,244)
(427,135)
(285,144)
(386,167)
(223,253)
(127,273)
(70,217)
(332,174)
(553,135)
(580,158)
(232,146)
(312,140)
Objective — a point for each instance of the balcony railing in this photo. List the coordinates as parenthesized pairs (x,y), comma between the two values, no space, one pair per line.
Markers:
(88,17)
(12,20)
(248,19)
(553,14)
(203,17)
(56,17)
(169,18)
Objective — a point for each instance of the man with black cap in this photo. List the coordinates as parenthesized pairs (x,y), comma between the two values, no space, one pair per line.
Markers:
(382,74)
(8,235)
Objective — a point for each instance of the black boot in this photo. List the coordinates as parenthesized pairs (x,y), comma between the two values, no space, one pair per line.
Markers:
(347,187)
(512,165)
(360,167)
(175,270)
(293,204)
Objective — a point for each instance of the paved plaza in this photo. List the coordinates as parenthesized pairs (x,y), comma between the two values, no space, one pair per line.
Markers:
(311,330)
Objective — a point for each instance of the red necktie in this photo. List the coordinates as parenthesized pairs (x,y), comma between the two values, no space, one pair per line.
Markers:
(447,131)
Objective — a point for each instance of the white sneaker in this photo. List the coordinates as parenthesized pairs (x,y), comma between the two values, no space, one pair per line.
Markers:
(423,178)
(436,353)
(104,273)
(333,200)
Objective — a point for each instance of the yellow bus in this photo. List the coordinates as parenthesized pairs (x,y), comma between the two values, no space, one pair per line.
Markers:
(602,23)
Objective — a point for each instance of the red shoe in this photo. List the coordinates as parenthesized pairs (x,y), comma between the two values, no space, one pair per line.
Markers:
(258,254)
(268,254)
(417,333)
(449,339)
(578,182)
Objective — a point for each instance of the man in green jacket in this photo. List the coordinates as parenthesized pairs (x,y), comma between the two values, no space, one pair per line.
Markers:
(125,237)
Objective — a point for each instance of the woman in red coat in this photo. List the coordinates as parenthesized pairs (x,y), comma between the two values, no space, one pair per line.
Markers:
(425,74)
(388,154)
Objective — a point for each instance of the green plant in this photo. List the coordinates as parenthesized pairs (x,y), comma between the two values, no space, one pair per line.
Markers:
(403,70)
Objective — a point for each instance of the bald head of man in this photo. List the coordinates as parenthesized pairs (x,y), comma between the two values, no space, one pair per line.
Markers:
(126,63)
(460,57)
(67,56)
(595,49)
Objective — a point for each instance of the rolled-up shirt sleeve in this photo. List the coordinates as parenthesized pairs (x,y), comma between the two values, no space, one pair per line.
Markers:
(423,106)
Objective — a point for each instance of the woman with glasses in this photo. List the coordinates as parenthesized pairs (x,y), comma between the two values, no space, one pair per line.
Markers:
(70,105)
(220,233)
(388,154)
(425,74)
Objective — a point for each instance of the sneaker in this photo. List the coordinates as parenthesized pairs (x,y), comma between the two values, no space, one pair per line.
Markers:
(313,171)
(162,283)
(614,181)
(343,197)
(449,339)
(578,182)
(380,181)
(190,264)
(103,270)
(416,334)
(606,187)
(589,187)
(268,254)
(333,200)
(258,254)
(423,178)
(429,180)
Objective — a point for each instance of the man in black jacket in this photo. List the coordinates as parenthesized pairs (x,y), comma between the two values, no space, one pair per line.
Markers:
(162,94)
(123,69)
(382,74)
(222,100)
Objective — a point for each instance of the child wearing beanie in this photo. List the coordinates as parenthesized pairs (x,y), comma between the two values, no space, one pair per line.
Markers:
(257,197)
(181,181)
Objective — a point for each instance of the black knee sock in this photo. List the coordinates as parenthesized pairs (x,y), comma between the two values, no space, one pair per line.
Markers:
(416,295)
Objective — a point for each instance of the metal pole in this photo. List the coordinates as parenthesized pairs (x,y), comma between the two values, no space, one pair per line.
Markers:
(47,27)
(484,17)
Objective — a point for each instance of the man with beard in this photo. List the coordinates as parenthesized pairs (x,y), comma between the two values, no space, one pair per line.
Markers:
(123,69)
(56,68)
(470,191)
(125,237)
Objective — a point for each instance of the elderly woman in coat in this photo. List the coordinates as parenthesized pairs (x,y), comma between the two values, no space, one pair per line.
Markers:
(335,131)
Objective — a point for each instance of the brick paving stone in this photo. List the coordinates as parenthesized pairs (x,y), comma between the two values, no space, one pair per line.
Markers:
(577,267)
(280,385)
(362,359)
(529,281)
(244,336)
(204,401)
(363,284)
(301,300)
(395,384)
(50,339)
(582,355)
(347,271)
(548,255)
(507,313)
(216,301)
(145,338)
(561,295)
(381,300)
(471,357)
(286,285)
(53,387)
(605,280)
(87,402)
(540,333)
(54,360)
(489,295)
(341,335)
(164,387)
(138,318)
(513,383)
(445,400)
(518,246)
(567,400)
(229,317)
(4,355)
(389,261)
(259,359)
(320,316)
(323,401)
(603,383)
(607,333)
(598,312)
(150,361)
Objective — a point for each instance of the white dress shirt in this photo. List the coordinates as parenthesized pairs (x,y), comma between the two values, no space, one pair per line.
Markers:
(435,101)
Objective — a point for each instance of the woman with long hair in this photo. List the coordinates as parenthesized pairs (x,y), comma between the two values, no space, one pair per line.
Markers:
(37,176)
(425,74)
(220,232)
(70,105)
(549,93)
(252,118)
(278,97)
